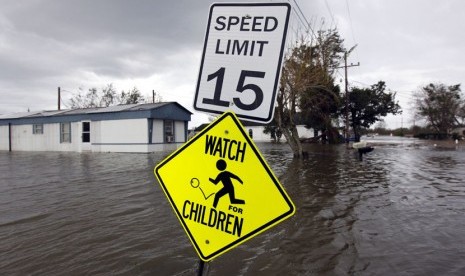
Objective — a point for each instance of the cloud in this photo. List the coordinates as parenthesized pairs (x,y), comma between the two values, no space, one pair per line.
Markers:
(156,45)
(73,44)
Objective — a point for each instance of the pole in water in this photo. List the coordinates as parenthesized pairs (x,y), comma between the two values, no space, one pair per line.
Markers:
(362,151)
(203,268)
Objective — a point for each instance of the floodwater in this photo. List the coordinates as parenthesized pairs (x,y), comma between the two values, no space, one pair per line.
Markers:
(400,211)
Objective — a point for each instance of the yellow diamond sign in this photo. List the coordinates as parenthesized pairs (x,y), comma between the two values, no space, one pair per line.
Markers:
(221,188)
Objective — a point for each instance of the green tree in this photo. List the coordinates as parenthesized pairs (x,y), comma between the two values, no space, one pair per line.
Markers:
(321,101)
(274,131)
(441,106)
(320,108)
(369,105)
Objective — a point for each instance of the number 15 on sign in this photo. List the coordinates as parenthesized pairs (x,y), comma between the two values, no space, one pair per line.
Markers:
(241,60)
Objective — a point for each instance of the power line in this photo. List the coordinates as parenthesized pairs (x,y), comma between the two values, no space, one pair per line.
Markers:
(302,18)
(362,83)
(298,16)
(405,94)
(295,26)
(351,25)
(330,12)
(350,21)
(308,24)
(64,103)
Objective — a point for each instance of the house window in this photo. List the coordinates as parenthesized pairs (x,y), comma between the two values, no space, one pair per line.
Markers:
(86,132)
(65,132)
(38,129)
(169,131)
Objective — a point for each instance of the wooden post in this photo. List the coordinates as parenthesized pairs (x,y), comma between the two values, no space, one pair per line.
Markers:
(346,54)
(9,136)
(59,98)
(347,100)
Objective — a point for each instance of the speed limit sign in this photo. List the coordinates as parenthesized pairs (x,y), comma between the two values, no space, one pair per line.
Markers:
(242,58)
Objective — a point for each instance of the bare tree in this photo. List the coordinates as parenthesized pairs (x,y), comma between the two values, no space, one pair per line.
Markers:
(107,96)
(131,97)
(85,100)
(307,75)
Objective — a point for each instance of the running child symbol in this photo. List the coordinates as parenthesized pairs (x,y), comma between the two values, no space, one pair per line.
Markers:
(228,188)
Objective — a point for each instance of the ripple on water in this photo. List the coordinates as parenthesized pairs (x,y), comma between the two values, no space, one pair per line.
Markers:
(399,211)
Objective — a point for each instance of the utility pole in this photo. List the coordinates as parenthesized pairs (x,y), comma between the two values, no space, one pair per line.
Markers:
(59,98)
(401,125)
(153,96)
(346,54)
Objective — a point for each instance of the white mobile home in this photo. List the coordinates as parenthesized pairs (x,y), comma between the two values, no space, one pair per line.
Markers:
(122,128)
(255,131)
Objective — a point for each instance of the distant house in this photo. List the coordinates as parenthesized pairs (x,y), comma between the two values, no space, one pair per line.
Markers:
(121,128)
(459,132)
(255,131)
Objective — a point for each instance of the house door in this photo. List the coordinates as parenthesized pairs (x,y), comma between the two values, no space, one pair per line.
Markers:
(85,134)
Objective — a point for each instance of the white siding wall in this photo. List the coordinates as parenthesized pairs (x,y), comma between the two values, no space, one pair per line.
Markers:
(96,132)
(119,135)
(123,131)
(179,132)
(22,138)
(106,136)
(259,136)
(305,132)
(4,138)
(158,142)
(157,131)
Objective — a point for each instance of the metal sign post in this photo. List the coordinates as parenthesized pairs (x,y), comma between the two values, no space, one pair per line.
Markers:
(203,268)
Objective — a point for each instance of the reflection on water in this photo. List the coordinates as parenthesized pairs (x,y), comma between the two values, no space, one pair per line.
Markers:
(398,212)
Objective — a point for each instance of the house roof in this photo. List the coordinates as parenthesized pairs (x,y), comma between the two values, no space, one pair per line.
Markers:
(162,110)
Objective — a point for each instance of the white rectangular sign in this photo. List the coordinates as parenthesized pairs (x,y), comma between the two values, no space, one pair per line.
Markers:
(242,58)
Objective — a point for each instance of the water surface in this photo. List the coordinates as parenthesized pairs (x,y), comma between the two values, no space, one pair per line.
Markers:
(398,212)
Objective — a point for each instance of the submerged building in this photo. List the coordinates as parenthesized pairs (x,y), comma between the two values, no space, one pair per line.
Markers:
(121,128)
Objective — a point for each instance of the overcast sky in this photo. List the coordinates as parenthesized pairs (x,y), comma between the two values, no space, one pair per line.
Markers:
(157,45)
